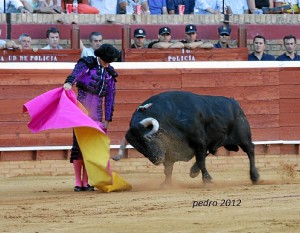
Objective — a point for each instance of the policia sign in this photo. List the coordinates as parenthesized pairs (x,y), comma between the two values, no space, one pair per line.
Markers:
(66,55)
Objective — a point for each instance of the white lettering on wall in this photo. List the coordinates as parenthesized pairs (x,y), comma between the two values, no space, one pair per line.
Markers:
(181,58)
(186,56)
(25,58)
(43,58)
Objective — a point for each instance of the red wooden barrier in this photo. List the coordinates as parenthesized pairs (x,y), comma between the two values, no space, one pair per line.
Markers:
(182,55)
(269,96)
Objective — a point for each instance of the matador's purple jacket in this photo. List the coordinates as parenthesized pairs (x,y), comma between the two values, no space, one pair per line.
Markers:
(94,83)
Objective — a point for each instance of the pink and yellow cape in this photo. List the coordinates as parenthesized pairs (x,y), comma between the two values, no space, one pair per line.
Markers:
(58,109)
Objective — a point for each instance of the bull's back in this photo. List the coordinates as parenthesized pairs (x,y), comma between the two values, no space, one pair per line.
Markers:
(180,106)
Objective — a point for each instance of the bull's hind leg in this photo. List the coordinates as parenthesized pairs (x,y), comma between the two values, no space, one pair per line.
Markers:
(249,149)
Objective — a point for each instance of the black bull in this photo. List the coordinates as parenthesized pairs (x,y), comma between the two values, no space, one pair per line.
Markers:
(176,126)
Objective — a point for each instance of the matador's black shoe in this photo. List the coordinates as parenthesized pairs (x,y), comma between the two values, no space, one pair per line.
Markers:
(89,188)
(78,189)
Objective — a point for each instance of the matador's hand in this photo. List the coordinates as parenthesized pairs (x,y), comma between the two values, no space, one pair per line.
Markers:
(67,86)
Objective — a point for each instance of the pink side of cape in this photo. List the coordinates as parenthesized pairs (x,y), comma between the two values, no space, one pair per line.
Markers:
(57,109)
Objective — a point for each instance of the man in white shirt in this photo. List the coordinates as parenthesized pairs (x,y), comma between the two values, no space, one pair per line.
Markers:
(96,40)
(208,7)
(53,39)
(105,6)
(13,4)
(237,7)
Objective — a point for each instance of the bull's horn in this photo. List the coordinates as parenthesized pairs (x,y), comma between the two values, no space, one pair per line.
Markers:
(150,121)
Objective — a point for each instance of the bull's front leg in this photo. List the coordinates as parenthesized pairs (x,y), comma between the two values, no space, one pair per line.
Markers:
(168,173)
(200,161)
(194,171)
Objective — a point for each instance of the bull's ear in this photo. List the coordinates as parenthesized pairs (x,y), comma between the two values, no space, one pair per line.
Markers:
(144,107)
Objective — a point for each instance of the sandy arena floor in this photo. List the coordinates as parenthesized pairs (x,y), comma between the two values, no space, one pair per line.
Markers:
(39,204)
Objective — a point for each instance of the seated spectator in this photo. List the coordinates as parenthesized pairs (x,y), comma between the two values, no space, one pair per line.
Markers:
(164,40)
(27,5)
(53,38)
(172,6)
(208,6)
(105,7)
(224,37)
(259,46)
(157,7)
(96,40)
(290,44)
(51,2)
(255,6)
(45,6)
(237,7)
(292,3)
(8,44)
(15,6)
(139,39)
(191,41)
(25,41)
(2,42)
(34,4)
(129,6)
(85,8)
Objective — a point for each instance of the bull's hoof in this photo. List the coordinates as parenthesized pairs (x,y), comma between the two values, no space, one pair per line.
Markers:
(194,171)
(165,185)
(207,181)
(254,176)
(194,174)
(206,178)
(117,157)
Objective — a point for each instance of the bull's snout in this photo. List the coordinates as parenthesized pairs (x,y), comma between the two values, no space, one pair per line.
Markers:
(156,160)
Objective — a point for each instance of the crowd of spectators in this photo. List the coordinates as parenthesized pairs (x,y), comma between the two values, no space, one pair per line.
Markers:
(191,42)
(31,6)
(164,42)
(154,7)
